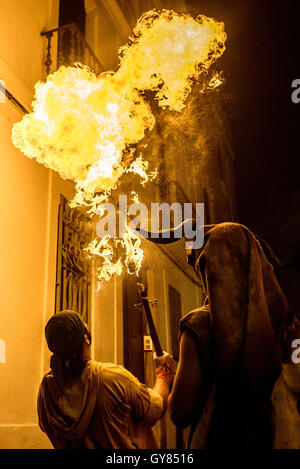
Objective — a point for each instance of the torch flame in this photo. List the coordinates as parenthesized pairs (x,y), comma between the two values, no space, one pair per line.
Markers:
(105,250)
(82,125)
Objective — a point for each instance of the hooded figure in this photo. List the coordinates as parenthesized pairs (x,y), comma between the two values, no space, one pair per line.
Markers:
(232,348)
(84,404)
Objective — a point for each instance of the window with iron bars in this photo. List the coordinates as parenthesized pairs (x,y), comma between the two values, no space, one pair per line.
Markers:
(74,266)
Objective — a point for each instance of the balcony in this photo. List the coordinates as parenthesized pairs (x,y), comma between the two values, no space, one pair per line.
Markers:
(71,48)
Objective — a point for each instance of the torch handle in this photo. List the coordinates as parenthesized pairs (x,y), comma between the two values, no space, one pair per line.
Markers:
(152,328)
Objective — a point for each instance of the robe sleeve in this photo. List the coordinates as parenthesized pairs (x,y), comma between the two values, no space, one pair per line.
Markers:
(197,322)
(144,403)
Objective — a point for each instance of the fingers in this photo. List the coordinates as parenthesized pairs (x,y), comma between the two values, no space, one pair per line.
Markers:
(166,358)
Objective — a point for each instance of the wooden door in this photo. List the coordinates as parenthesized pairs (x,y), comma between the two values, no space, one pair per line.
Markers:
(175,313)
(133,329)
(175,310)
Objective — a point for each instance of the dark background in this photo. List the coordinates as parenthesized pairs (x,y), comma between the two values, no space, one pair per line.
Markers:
(260,63)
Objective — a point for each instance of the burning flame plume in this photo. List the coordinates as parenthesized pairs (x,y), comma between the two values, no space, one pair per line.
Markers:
(85,126)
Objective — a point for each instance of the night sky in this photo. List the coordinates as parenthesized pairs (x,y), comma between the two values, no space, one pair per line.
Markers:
(260,63)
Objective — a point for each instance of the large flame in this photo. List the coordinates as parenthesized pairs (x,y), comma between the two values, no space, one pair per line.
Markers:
(104,250)
(85,126)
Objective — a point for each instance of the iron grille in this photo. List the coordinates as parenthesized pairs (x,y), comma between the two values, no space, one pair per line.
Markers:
(74,266)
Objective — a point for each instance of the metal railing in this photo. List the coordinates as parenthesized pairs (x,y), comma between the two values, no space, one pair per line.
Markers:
(71,48)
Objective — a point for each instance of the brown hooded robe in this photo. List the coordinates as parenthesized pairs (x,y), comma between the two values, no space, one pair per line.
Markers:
(249,317)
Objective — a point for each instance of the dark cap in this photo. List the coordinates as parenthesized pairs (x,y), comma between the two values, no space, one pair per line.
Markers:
(65,334)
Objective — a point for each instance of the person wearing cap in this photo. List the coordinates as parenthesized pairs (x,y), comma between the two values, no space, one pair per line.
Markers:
(85,404)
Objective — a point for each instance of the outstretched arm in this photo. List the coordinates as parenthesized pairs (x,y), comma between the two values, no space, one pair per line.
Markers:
(185,399)
(164,367)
